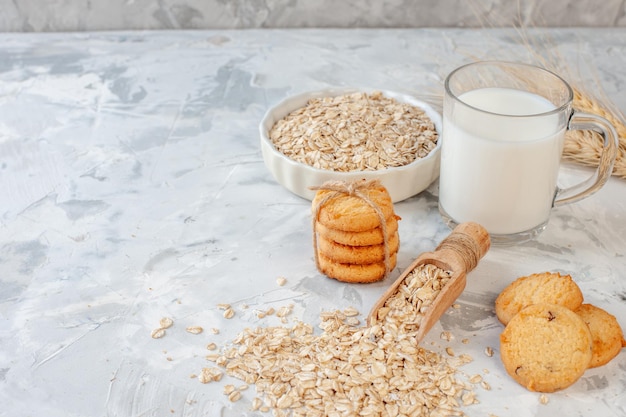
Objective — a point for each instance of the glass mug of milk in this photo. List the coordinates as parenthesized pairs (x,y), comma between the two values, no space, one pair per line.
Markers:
(503,131)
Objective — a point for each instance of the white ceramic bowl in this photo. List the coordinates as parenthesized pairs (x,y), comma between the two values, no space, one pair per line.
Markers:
(401,182)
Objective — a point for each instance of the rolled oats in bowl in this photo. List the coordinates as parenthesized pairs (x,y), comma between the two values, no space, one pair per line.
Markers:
(348,134)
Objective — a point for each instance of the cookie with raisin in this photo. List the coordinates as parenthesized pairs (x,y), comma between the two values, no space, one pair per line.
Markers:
(546,347)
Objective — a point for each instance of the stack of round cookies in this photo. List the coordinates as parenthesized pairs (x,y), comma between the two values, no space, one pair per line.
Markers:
(355,231)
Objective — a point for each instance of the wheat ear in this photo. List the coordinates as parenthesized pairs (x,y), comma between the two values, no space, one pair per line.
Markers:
(585,147)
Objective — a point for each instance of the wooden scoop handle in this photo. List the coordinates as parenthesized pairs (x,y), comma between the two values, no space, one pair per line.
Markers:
(459,253)
(463,248)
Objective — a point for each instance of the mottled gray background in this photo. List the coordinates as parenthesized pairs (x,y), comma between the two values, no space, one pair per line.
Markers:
(81,15)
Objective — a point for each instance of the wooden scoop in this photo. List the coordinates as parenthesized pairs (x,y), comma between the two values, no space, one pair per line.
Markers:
(458,253)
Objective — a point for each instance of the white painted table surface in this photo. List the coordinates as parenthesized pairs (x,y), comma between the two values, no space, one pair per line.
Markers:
(132,187)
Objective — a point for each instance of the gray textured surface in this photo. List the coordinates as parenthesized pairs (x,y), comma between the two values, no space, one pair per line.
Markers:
(78,15)
(132,187)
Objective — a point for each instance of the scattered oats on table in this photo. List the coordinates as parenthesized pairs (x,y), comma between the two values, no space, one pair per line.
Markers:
(348,369)
(234,396)
(166,322)
(475,379)
(158,333)
(345,370)
(355,132)
(229,313)
(194,329)
(209,375)
(350,311)
(284,311)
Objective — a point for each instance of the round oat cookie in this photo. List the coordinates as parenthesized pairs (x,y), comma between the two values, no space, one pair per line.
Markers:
(608,338)
(354,273)
(351,213)
(546,287)
(546,347)
(369,237)
(346,254)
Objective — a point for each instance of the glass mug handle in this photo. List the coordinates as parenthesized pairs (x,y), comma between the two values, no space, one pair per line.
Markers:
(586,121)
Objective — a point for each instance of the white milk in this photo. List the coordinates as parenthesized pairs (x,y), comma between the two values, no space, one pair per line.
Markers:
(496,170)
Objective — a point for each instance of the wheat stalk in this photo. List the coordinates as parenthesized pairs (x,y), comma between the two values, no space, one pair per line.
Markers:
(581,146)
(585,146)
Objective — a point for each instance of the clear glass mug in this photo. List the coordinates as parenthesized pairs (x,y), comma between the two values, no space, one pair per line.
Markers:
(504,125)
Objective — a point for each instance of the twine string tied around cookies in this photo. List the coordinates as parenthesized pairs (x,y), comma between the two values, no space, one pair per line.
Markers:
(357,188)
